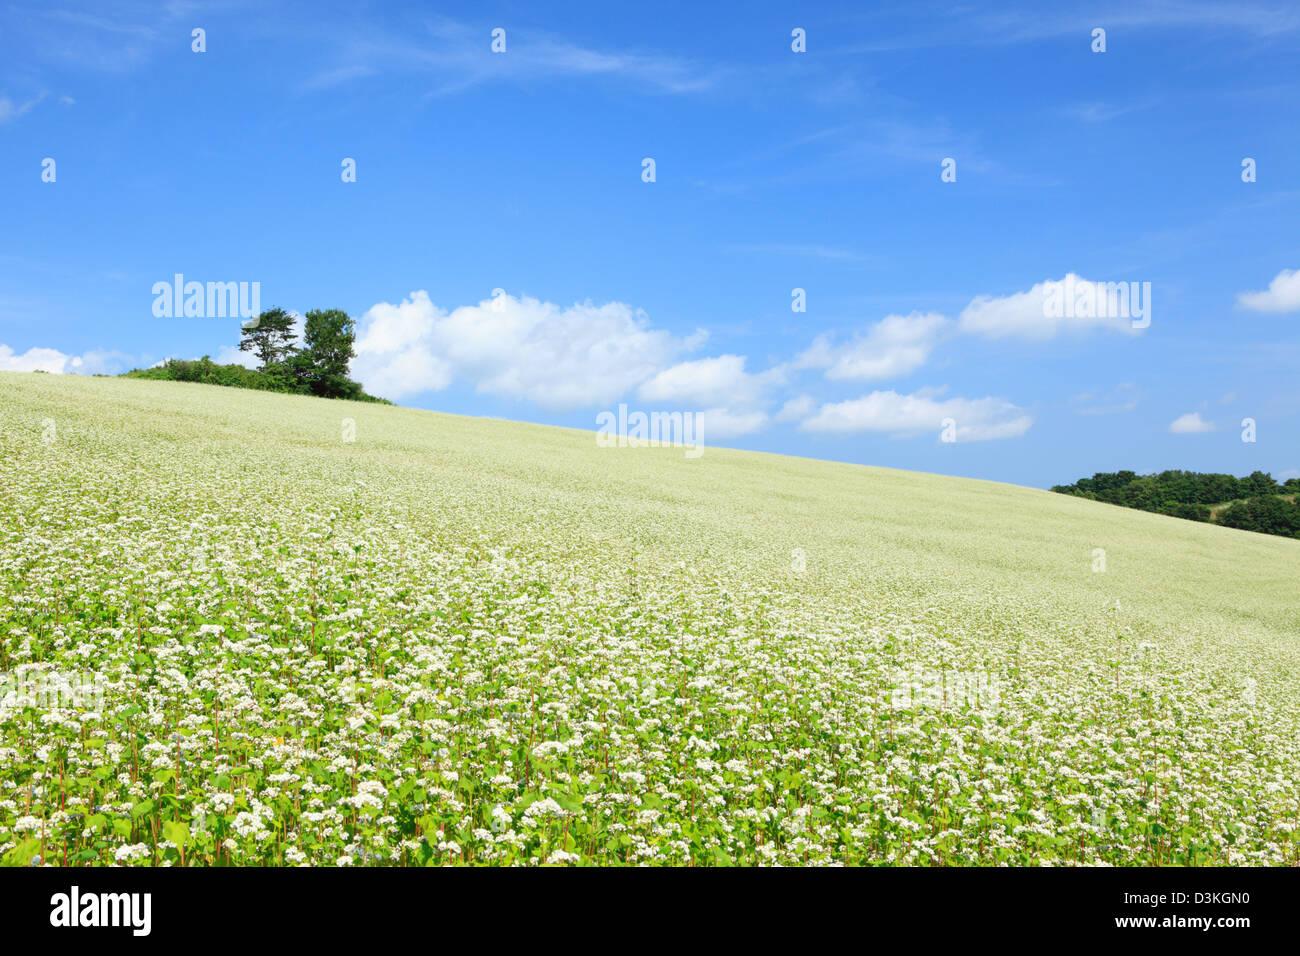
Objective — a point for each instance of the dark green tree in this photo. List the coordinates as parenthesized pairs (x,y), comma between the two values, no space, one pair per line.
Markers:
(1260,483)
(1256,502)
(1269,514)
(329,339)
(270,337)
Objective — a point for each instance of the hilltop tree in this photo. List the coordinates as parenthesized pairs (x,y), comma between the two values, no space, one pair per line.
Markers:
(270,337)
(328,338)
(1260,483)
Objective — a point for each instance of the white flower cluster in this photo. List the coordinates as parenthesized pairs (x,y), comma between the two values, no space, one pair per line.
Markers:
(507,648)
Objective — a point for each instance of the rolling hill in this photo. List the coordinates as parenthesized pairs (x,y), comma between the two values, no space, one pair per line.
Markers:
(301,630)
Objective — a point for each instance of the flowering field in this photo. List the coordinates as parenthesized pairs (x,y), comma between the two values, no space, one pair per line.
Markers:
(238,629)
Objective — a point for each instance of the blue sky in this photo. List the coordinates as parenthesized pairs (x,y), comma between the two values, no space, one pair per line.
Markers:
(774,170)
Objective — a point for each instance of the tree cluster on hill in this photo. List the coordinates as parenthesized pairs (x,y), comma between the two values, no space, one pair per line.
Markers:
(1253,503)
(318,367)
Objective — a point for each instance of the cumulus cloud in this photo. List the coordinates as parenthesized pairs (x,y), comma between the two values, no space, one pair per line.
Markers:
(1069,305)
(721,380)
(894,346)
(734,401)
(900,344)
(560,358)
(93,362)
(34,359)
(796,409)
(975,419)
(715,423)
(1282,295)
(1190,424)
(232,355)
(100,362)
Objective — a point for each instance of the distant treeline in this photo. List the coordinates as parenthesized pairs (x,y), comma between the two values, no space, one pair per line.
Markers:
(319,366)
(1253,503)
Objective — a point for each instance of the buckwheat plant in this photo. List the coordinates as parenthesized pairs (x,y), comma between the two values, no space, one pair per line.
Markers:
(469,642)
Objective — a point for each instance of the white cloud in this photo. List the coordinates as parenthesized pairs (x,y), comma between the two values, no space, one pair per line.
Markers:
(1027,314)
(801,406)
(734,400)
(100,362)
(976,419)
(709,381)
(714,423)
(231,355)
(1190,424)
(894,346)
(94,362)
(900,344)
(581,356)
(34,359)
(1283,294)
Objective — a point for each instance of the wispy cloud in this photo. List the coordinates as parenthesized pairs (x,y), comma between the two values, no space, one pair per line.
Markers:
(457,56)
(1029,23)
(1105,112)
(808,251)
(913,141)
(1122,398)
(9,110)
(81,40)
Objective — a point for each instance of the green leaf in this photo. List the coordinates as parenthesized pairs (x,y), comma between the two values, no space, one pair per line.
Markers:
(22,854)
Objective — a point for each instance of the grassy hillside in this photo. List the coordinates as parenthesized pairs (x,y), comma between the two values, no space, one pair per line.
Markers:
(463,640)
